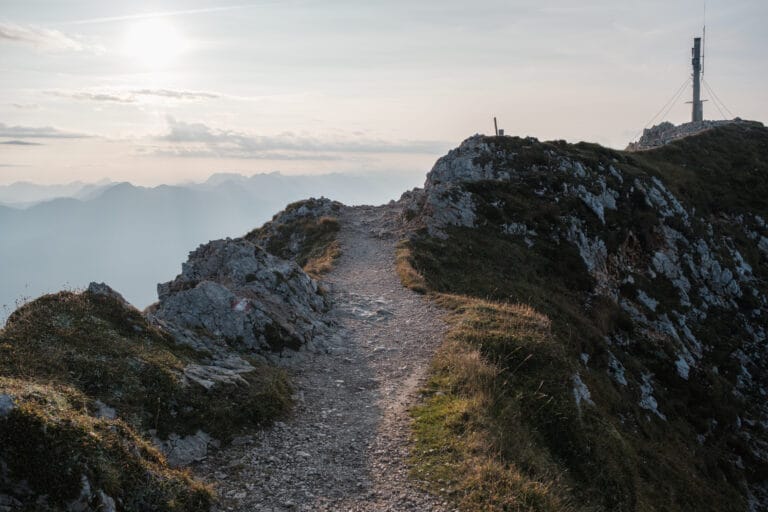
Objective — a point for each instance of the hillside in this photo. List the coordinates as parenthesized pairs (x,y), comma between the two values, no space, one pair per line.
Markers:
(585,330)
(609,323)
(101,404)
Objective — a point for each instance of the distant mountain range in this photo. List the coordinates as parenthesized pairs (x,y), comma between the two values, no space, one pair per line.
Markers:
(24,194)
(133,237)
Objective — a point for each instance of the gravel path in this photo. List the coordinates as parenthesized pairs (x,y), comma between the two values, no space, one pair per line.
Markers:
(346,445)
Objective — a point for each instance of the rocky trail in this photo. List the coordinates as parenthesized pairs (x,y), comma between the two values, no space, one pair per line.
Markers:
(345,447)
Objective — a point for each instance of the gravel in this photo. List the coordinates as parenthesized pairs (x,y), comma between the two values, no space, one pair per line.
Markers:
(346,445)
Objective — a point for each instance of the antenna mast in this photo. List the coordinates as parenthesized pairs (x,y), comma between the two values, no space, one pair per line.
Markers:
(703,40)
(697,113)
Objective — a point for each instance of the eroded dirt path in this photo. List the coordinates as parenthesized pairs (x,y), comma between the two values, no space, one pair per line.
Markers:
(346,445)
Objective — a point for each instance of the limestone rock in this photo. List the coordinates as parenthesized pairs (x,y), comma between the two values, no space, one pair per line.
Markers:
(183,451)
(105,290)
(444,202)
(665,132)
(688,286)
(232,293)
(6,405)
(104,411)
(228,370)
(279,234)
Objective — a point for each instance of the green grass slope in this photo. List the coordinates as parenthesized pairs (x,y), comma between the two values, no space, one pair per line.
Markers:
(505,423)
(304,232)
(64,357)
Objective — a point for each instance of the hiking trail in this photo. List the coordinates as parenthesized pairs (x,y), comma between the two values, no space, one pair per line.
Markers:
(346,445)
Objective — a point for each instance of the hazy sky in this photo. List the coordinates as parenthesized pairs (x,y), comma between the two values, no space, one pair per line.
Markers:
(166,91)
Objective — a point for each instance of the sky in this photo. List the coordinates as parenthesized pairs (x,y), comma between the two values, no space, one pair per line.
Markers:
(171,91)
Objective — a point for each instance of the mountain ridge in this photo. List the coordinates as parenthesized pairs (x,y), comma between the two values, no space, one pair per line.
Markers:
(605,343)
(656,303)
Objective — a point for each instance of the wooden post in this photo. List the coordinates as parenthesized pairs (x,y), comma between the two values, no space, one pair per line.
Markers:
(495,127)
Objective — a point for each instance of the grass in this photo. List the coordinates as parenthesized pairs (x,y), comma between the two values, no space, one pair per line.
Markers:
(326,252)
(405,270)
(718,170)
(61,353)
(108,351)
(309,240)
(51,442)
(498,428)
(455,450)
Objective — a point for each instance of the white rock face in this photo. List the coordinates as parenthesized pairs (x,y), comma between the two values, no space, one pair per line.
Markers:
(594,254)
(666,132)
(6,405)
(616,369)
(104,411)
(183,451)
(683,368)
(598,203)
(234,292)
(690,286)
(227,370)
(647,300)
(694,266)
(580,391)
(647,400)
(443,202)
(763,245)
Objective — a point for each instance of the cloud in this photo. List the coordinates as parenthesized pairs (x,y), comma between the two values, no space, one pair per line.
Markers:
(44,132)
(90,96)
(159,14)
(25,106)
(133,96)
(199,140)
(20,143)
(181,95)
(42,38)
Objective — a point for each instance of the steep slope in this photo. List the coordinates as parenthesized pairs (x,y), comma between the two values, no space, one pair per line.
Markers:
(92,390)
(608,344)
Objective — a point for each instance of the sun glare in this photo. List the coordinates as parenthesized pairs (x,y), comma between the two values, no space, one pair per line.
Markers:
(153,42)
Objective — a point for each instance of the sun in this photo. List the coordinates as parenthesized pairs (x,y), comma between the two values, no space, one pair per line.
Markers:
(154,43)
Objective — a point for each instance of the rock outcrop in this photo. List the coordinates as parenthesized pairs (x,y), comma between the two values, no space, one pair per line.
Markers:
(234,294)
(285,235)
(129,375)
(666,132)
(686,283)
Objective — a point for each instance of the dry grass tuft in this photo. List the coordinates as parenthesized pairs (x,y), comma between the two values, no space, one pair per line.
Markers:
(409,276)
(458,450)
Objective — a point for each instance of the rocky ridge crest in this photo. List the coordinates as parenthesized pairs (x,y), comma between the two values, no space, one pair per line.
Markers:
(190,372)
(691,285)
